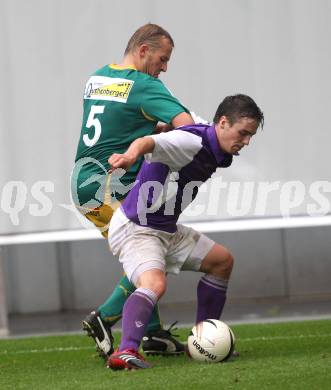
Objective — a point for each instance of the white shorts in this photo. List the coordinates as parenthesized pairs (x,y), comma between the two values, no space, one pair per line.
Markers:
(142,248)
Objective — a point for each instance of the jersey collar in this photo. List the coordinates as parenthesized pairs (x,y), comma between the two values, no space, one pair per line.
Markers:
(118,67)
(223,159)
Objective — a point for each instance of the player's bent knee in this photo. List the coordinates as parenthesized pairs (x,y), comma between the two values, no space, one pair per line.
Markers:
(154,280)
(160,290)
(229,261)
(159,287)
(218,262)
(223,267)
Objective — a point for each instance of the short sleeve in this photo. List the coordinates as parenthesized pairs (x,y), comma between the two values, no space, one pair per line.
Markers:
(158,103)
(176,148)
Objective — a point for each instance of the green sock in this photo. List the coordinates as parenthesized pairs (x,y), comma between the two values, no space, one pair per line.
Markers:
(155,321)
(111,309)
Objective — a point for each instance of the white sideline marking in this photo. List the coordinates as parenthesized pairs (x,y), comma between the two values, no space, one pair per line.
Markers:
(46,350)
(66,349)
(204,227)
(299,336)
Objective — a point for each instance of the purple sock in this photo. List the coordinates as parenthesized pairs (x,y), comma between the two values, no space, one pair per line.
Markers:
(136,315)
(211,293)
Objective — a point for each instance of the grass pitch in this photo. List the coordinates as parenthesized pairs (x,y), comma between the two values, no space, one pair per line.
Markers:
(294,355)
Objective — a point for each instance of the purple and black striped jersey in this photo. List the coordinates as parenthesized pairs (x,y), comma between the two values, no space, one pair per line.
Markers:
(169,179)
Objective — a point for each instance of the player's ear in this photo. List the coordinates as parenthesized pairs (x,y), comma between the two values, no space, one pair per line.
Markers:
(222,121)
(143,49)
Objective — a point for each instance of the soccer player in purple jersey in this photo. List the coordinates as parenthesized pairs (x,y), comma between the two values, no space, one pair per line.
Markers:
(144,231)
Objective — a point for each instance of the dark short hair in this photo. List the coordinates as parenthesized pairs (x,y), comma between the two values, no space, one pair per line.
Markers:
(239,106)
(149,34)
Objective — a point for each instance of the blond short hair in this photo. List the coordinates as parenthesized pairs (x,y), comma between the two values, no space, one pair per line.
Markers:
(150,34)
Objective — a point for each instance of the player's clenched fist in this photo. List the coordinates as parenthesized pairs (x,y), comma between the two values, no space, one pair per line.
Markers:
(138,148)
(118,160)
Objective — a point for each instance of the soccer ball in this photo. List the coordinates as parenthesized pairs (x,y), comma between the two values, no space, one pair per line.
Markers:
(210,341)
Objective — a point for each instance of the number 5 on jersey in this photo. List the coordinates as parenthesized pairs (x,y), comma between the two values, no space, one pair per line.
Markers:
(93,121)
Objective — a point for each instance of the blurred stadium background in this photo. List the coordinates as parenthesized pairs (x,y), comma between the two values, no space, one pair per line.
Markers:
(51,268)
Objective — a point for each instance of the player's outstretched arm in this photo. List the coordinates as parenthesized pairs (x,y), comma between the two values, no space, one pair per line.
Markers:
(138,148)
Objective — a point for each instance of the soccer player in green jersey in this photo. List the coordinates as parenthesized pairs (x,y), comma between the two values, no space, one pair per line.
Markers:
(121,103)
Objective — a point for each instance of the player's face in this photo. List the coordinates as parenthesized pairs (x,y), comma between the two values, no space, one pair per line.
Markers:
(155,61)
(233,138)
